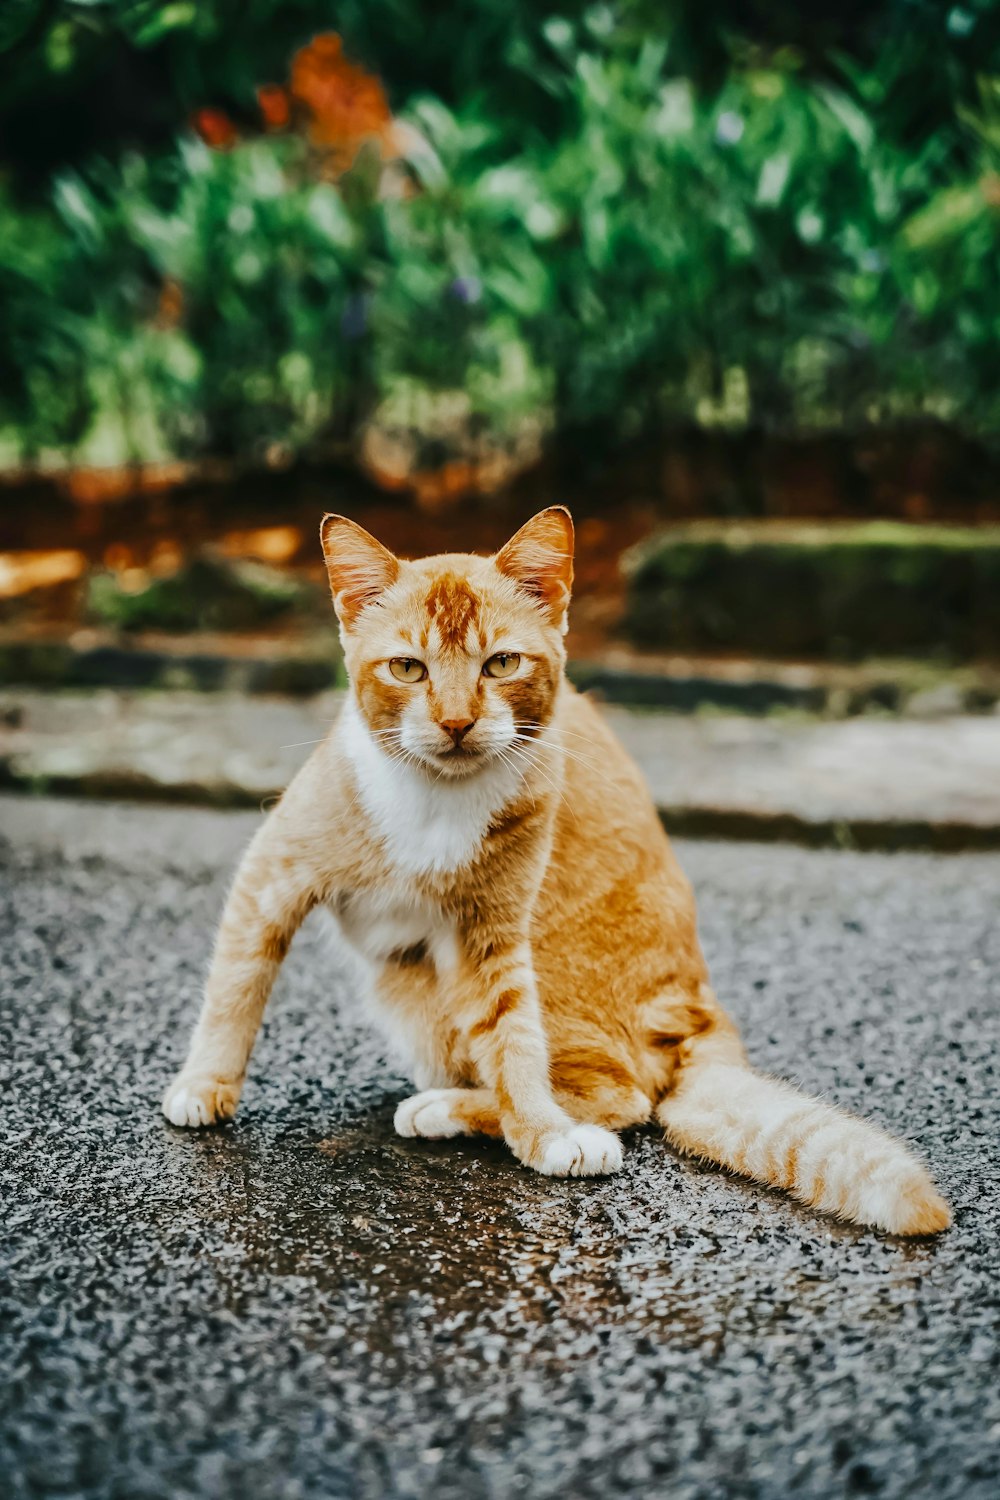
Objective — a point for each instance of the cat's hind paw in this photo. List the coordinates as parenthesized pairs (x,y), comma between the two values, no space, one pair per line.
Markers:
(581,1151)
(429,1115)
(195,1100)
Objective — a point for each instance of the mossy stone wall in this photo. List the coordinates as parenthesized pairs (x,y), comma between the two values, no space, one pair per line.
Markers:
(831,591)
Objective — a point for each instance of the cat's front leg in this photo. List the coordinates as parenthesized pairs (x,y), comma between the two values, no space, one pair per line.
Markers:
(271,895)
(508,1045)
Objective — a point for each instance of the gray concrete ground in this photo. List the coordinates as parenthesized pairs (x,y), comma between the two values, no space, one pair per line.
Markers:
(301,1305)
(870,781)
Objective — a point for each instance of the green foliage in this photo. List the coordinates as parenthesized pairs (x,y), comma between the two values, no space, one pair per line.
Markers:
(618,217)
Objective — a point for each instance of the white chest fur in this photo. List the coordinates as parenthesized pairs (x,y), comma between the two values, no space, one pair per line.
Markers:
(426,826)
(390,923)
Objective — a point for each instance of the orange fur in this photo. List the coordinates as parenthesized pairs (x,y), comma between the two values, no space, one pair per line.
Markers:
(504,1002)
(453,607)
(530,937)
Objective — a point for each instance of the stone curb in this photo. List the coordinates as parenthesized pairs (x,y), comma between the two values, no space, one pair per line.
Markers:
(864,784)
(107,662)
(720,823)
(681,685)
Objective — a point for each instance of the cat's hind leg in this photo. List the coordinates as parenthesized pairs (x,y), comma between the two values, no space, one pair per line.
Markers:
(439,1114)
(598,1089)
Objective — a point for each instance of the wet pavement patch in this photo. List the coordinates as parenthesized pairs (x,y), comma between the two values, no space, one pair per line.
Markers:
(303,1305)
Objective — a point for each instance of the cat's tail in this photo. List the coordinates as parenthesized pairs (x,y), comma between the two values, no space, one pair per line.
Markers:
(723,1111)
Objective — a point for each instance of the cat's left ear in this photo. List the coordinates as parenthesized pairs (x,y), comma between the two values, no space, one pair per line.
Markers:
(539,558)
(359,567)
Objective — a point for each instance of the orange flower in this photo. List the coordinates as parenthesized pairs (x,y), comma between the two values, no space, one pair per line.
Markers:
(170,307)
(346,106)
(215,128)
(336,104)
(275,106)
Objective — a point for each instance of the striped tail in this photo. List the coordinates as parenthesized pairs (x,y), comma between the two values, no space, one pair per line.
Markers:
(768,1130)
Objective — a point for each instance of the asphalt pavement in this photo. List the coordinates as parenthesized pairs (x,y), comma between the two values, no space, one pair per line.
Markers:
(302,1305)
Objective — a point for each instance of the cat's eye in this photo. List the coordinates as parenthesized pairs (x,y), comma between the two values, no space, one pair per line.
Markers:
(504,664)
(407,670)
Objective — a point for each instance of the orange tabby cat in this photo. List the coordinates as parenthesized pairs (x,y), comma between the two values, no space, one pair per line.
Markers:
(488,848)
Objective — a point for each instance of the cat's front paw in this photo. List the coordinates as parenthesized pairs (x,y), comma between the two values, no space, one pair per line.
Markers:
(582,1151)
(196,1099)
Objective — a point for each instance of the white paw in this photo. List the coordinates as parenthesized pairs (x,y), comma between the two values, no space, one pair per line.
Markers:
(583,1151)
(428,1115)
(196,1101)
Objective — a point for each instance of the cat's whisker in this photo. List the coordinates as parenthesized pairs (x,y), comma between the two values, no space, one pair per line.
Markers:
(506,760)
(557,791)
(532,752)
(582,760)
(559,729)
(574,755)
(550,732)
(554,730)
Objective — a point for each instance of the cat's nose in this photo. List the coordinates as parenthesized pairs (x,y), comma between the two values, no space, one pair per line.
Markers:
(457,728)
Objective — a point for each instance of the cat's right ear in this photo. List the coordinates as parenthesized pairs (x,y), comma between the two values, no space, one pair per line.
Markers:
(360,569)
(539,558)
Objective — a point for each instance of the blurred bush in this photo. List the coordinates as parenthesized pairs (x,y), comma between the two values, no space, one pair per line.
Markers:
(207,593)
(474,231)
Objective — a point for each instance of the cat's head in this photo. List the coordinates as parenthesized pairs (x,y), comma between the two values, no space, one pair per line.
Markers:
(455,660)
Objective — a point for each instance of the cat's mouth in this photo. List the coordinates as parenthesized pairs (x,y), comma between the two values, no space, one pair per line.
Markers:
(460,760)
(456,761)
